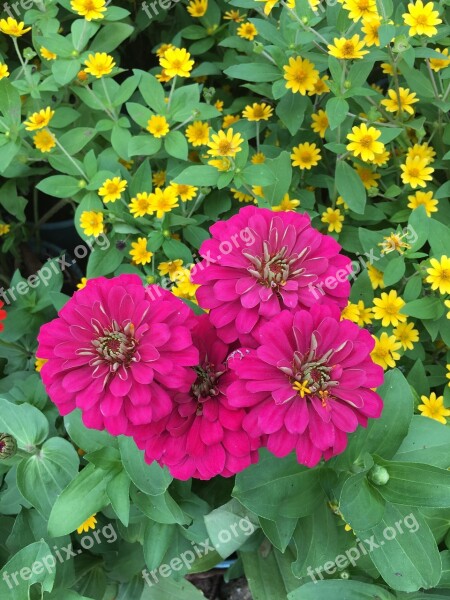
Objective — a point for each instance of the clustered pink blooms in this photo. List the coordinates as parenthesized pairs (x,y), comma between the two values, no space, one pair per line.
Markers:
(271,364)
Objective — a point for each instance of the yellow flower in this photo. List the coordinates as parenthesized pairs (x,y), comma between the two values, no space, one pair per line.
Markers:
(230,120)
(269,4)
(197,8)
(39,363)
(177,61)
(184,287)
(172,268)
(82,75)
(400,102)
(82,283)
(423,199)
(12,27)
(4,228)
(416,172)
(439,274)
(360,9)
(139,252)
(158,126)
(163,201)
(341,202)
(334,219)
(234,15)
(370,27)
(301,75)
(89,9)
(423,151)
(3,71)
(259,158)
(387,68)
(347,49)
(320,122)
(368,177)
(387,309)
(422,19)
(365,314)
(350,312)
(392,242)
(241,196)
(159,178)
(44,140)
(433,407)
(163,77)
(363,141)
(376,277)
(221,164)
(407,335)
(91,222)
(161,49)
(381,159)
(112,189)
(225,144)
(184,191)
(197,133)
(448,367)
(440,63)
(305,156)
(219,105)
(286,204)
(320,87)
(88,524)
(257,112)
(140,205)
(247,31)
(385,351)
(99,64)
(47,54)
(39,120)
(258,190)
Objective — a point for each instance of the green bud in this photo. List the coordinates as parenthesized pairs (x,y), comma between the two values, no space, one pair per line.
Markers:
(166,233)
(401,44)
(347,84)
(305,20)
(8,446)
(74,53)
(344,575)
(29,53)
(378,475)
(150,279)
(373,192)
(258,48)
(82,183)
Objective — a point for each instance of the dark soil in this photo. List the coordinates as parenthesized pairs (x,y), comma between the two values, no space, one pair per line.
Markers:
(214,587)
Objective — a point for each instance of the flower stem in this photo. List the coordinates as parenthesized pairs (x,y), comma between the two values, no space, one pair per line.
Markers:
(61,147)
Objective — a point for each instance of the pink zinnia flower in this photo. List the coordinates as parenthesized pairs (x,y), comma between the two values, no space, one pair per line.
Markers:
(259,263)
(203,436)
(308,384)
(117,351)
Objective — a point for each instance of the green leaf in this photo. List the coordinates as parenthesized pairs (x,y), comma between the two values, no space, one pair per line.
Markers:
(118,492)
(65,70)
(360,503)
(85,438)
(157,540)
(144,145)
(335,589)
(10,104)
(428,441)
(439,238)
(279,532)
(175,144)
(228,527)
(281,169)
(152,91)
(110,37)
(34,562)
(24,422)
(336,109)
(76,139)
(254,72)
(389,133)
(43,476)
(424,308)
(60,186)
(202,175)
(350,187)
(394,271)
(278,487)
(151,479)
(170,589)
(195,235)
(291,110)
(82,32)
(269,575)
(103,261)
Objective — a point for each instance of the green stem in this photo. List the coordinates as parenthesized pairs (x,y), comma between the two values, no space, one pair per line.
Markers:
(111,108)
(172,89)
(78,168)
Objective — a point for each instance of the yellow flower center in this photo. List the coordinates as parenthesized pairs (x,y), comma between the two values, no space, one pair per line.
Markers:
(348,49)
(366,141)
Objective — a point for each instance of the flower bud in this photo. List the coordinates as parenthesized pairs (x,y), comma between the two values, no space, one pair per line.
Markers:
(401,44)
(378,475)
(166,233)
(8,446)
(258,48)
(344,575)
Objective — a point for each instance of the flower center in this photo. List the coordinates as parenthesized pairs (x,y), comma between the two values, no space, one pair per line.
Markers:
(414,172)
(273,270)
(205,385)
(224,147)
(348,49)
(366,141)
(300,76)
(421,19)
(117,345)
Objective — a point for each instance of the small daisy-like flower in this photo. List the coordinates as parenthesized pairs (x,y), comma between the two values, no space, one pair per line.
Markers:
(159,178)
(163,201)
(394,242)
(184,191)
(163,77)
(320,87)
(234,15)
(44,140)
(287,204)
(91,223)
(197,8)
(241,196)
(158,126)
(423,199)
(365,314)
(402,101)
(301,76)
(139,252)
(376,277)
(185,287)
(439,274)
(305,156)
(225,144)
(360,9)
(112,189)
(4,228)
(347,49)
(99,64)
(39,363)
(341,202)
(387,309)
(3,71)
(258,159)
(363,142)
(247,31)
(437,64)
(40,119)
(334,219)
(422,151)
(407,335)
(172,268)
(371,27)
(197,133)
(230,120)
(161,49)
(221,164)
(368,177)
(416,172)
(88,524)
(12,27)
(422,19)
(140,205)
(387,69)
(219,105)
(433,408)
(177,62)
(82,284)
(381,159)
(89,9)
(47,54)
(320,123)
(385,351)
(350,312)
(257,112)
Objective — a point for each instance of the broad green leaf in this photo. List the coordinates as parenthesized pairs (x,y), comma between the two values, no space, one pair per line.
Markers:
(102,262)
(428,442)
(176,145)
(110,37)
(151,479)
(144,145)
(279,531)
(340,590)
(291,110)
(60,186)
(24,422)
(201,175)
(281,169)
(360,503)
(350,187)
(336,109)
(170,589)
(157,540)
(424,308)
(35,564)
(254,72)
(229,526)
(269,576)
(118,491)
